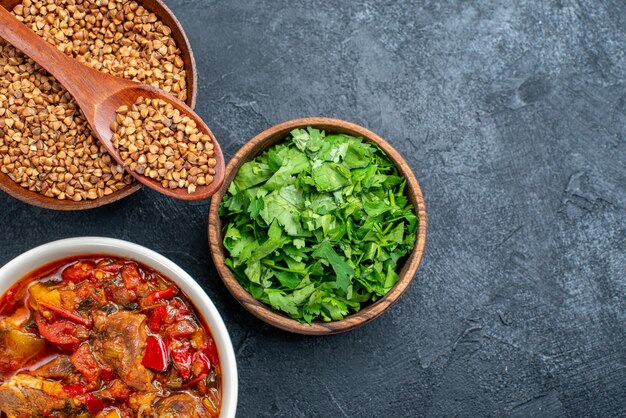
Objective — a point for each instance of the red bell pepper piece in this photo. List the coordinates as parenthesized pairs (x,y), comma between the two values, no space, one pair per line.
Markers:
(74,389)
(64,313)
(107,373)
(64,334)
(168,293)
(93,403)
(84,361)
(182,358)
(211,351)
(151,299)
(157,317)
(157,355)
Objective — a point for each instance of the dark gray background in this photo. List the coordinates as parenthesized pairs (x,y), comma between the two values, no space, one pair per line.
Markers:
(513,118)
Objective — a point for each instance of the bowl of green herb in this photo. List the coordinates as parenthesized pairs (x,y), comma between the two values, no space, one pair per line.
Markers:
(320,226)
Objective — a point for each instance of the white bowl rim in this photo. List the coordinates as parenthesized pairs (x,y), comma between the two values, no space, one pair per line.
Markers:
(31,260)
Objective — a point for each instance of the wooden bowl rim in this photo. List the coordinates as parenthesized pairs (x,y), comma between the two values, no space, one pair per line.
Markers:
(262,142)
(30,197)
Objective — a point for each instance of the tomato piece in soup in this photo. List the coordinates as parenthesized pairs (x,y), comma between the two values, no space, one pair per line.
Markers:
(64,334)
(83,270)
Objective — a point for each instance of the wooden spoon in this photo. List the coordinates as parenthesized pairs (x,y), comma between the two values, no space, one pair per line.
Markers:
(99,95)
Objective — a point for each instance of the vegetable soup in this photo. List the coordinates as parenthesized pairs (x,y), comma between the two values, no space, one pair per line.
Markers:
(104,337)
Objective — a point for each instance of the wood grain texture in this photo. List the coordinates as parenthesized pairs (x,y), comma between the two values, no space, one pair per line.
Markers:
(91,94)
(262,142)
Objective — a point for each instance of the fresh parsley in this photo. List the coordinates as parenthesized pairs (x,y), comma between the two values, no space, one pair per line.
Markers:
(315,226)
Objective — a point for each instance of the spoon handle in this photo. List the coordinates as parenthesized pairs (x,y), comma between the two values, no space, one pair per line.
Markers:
(81,81)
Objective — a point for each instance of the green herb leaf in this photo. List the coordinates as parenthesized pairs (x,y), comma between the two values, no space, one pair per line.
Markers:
(317,226)
(338,264)
(329,177)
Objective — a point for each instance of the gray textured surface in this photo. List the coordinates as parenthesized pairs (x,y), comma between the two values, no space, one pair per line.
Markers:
(512,116)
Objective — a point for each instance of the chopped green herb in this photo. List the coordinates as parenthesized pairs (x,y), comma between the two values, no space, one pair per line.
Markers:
(315,226)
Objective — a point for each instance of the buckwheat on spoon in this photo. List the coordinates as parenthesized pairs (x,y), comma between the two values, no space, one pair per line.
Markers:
(185,163)
(156,140)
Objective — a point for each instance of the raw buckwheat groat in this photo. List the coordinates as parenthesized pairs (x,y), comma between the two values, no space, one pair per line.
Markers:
(155,140)
(46,145)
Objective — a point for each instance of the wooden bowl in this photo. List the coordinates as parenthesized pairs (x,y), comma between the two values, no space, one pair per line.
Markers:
(256,146)
(37,199)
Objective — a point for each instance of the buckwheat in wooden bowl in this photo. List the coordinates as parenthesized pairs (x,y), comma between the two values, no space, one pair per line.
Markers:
(48,157)
(322,174)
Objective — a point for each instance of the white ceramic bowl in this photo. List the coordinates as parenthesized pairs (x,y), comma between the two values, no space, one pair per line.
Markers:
(40,256)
